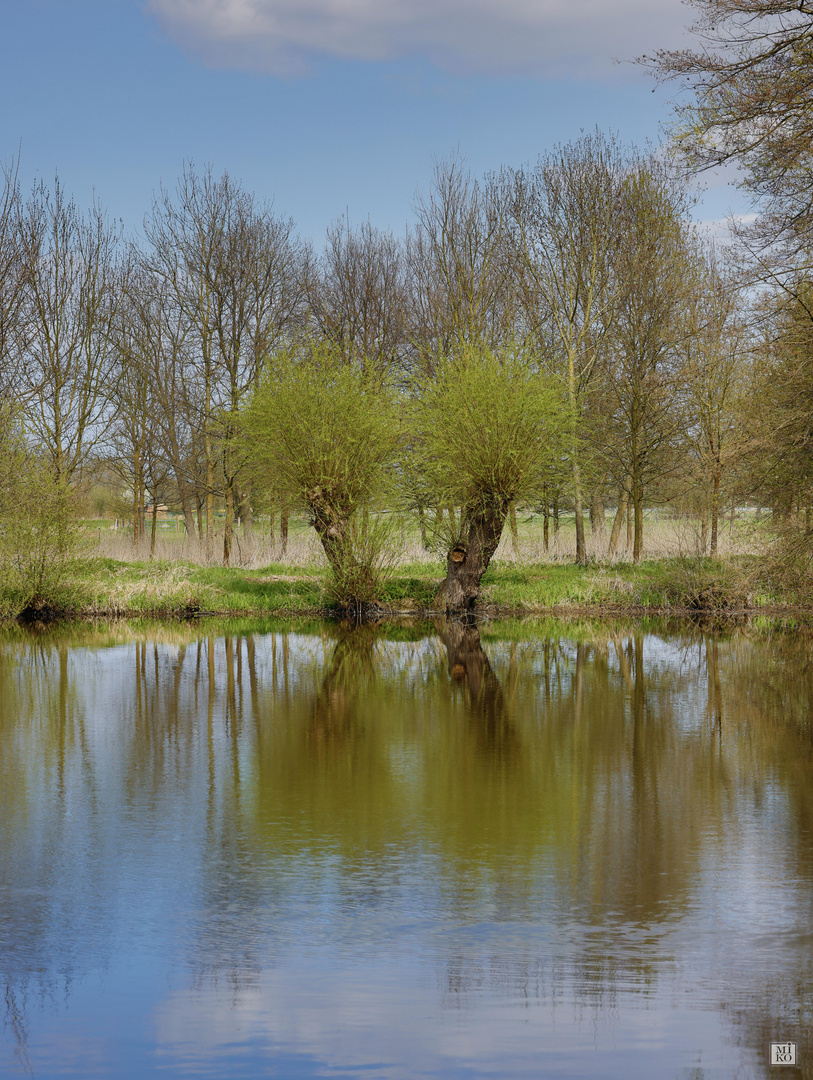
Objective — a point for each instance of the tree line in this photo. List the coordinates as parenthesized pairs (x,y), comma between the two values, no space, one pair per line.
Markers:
(559,334)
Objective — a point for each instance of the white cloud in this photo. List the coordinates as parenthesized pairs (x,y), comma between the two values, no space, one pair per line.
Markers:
(542,38)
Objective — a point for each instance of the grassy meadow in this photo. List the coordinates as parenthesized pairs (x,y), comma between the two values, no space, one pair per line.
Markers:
(114,577)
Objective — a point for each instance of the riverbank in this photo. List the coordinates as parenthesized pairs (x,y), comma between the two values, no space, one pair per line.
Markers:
(105,587)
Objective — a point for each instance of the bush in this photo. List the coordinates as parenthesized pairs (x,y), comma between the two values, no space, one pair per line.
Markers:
(39,530)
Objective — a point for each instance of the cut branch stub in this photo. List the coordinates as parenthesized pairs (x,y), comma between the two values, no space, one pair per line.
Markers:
(458,554)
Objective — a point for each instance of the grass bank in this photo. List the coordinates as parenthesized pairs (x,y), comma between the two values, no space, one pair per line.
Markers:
(103,586)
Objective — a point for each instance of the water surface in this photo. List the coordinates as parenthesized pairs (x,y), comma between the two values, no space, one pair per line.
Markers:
(523,851)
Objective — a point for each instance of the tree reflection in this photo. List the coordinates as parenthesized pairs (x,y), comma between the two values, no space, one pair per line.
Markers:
(470,670)
(584,793)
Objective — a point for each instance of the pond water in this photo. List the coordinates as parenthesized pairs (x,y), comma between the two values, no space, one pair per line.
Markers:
(528,850)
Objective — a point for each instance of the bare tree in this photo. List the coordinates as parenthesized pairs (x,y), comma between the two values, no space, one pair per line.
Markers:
(652,267)
(157,330)
(12,279)
(73,286)
(233,269)
(184,236)
(565,216)
(357,295)
(257,295)
(753,104)
(715,348)
(462,280)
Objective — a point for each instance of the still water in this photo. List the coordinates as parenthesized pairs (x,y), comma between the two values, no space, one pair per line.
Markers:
(529,850)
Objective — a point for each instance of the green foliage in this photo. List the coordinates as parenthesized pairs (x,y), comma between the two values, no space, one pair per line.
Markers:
(39,530)
(489,426)
(318,424)
(322,434)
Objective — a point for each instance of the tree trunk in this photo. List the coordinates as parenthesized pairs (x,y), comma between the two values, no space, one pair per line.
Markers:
(331,527)
(630,523)
(545,521)
(638,505)
(186,507)
(180,479)
(136,493)
(246,513)
(597,522)
(469,558)
(512,521)
(618,520)
(715,509)
(283,533)
(229,523)
(581,548)
(153,524)
(422,523)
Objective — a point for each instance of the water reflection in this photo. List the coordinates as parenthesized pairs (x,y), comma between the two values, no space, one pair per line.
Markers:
(526,852)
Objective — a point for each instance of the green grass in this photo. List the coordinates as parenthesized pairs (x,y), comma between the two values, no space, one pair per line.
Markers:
(108,587)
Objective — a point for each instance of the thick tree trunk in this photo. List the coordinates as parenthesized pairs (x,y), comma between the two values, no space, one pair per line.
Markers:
(331,527)
(283,532)
(469,667)
(469,558)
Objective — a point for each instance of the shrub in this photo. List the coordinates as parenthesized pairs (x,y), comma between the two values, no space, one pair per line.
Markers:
(39,530)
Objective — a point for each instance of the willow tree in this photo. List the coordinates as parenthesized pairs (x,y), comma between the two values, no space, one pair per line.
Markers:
(489,428)
(322,435)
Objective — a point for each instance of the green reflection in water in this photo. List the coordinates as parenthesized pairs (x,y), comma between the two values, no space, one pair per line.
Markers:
(644,800)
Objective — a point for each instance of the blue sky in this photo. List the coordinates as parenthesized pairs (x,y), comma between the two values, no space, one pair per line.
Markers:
(325,106)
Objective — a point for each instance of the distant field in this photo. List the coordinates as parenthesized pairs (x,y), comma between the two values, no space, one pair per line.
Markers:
(664,537)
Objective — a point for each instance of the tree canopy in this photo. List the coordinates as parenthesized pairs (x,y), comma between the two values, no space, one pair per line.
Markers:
(752,78)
